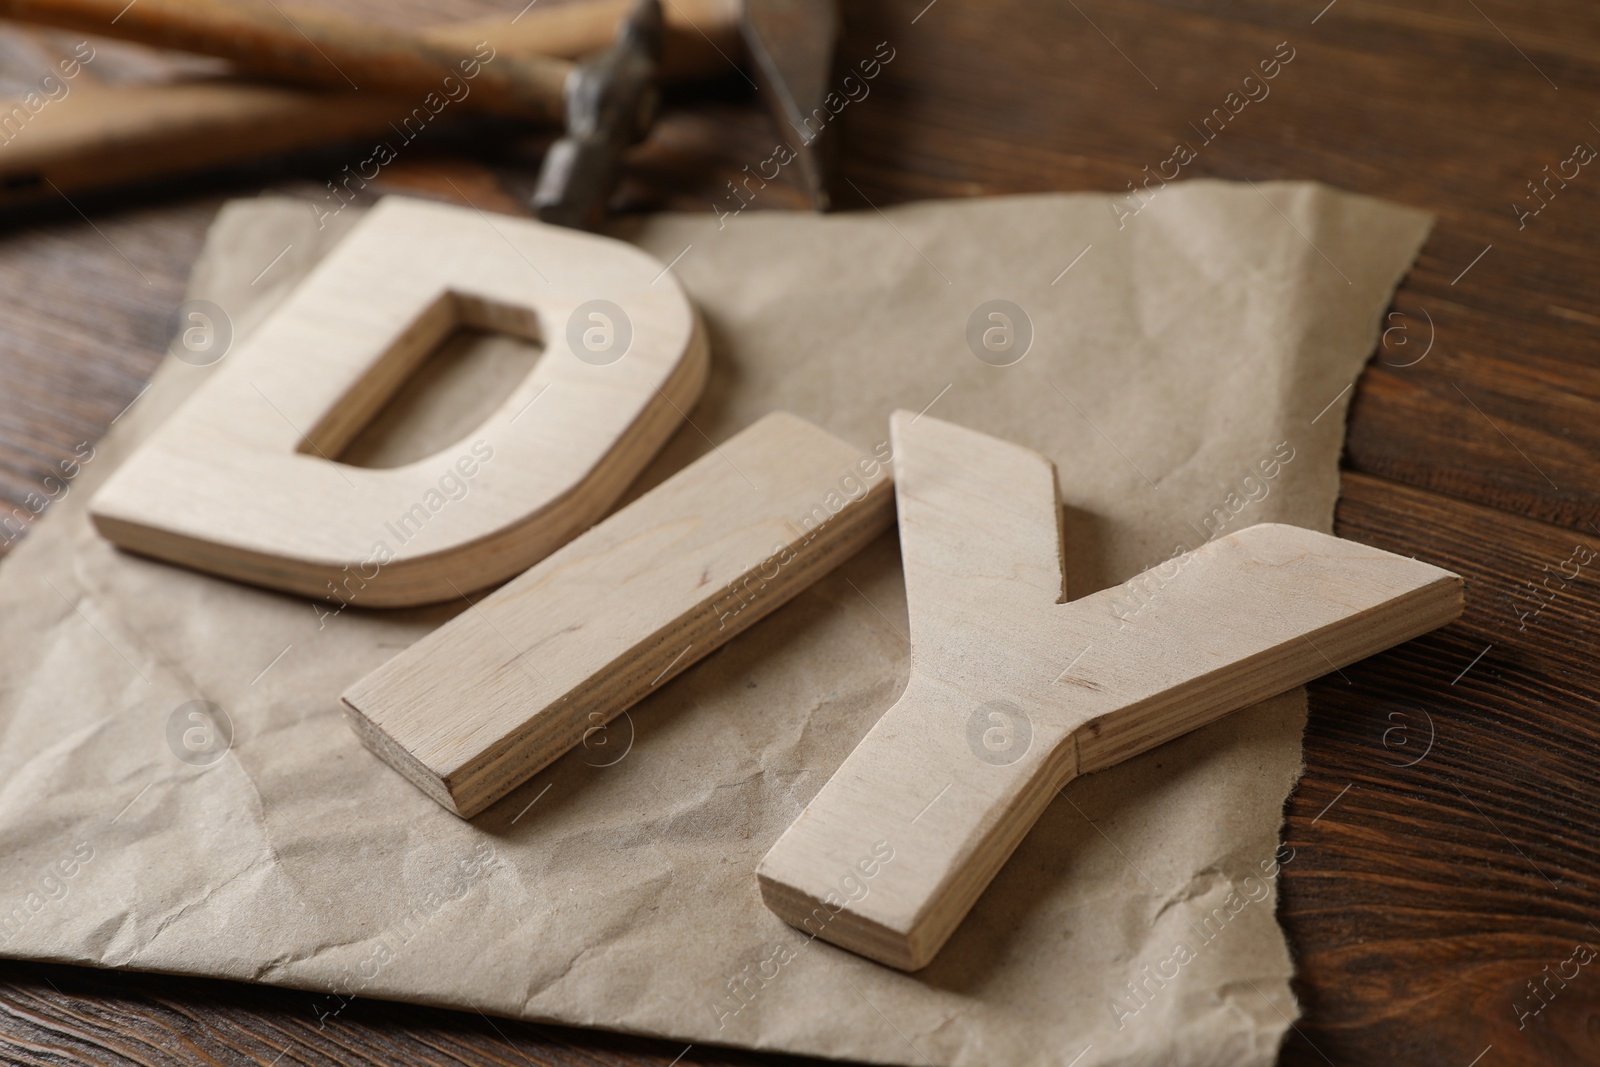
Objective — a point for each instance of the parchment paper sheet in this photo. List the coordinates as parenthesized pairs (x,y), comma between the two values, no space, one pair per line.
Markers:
(1208,335)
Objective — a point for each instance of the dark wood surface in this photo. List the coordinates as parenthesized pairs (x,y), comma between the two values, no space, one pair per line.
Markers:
(1445,830)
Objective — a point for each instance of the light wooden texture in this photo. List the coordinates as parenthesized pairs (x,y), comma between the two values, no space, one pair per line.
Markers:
(101,136)
(315,47)
(486,701)
(1443,938)
(241,481)
(700,37)
(98,136)
(1013,693)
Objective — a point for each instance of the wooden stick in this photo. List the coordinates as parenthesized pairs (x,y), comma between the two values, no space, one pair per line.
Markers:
(102,136)
(98,136)
(315,48)
(483,703)
(700,39)
(1013,693)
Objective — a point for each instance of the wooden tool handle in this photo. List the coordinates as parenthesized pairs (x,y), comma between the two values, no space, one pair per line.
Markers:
(312,48)
(100,136)
(701,38)
(97,136)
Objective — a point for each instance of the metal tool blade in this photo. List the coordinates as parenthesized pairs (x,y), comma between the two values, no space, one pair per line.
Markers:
(792,45)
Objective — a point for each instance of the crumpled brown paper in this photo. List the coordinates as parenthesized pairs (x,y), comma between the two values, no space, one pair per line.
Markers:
(1175,362)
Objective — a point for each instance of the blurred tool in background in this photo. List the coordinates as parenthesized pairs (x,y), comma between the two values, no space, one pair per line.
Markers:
(354,81)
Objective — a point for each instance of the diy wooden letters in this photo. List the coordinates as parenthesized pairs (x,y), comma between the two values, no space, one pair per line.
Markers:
(242,481)
(1013,693)
(481,704)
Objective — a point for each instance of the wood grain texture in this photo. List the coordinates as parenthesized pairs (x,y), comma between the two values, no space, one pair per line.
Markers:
(1413,921)
(1013,693)
(224,484)
(98,137)
(491,698)
(315,47)
(1441,105)
(54,1016)
(1444,840)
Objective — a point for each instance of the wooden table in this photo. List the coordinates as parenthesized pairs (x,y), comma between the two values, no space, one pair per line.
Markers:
(1444,833)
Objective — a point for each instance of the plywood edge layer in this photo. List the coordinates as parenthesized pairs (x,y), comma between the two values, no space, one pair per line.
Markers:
(1135,728)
